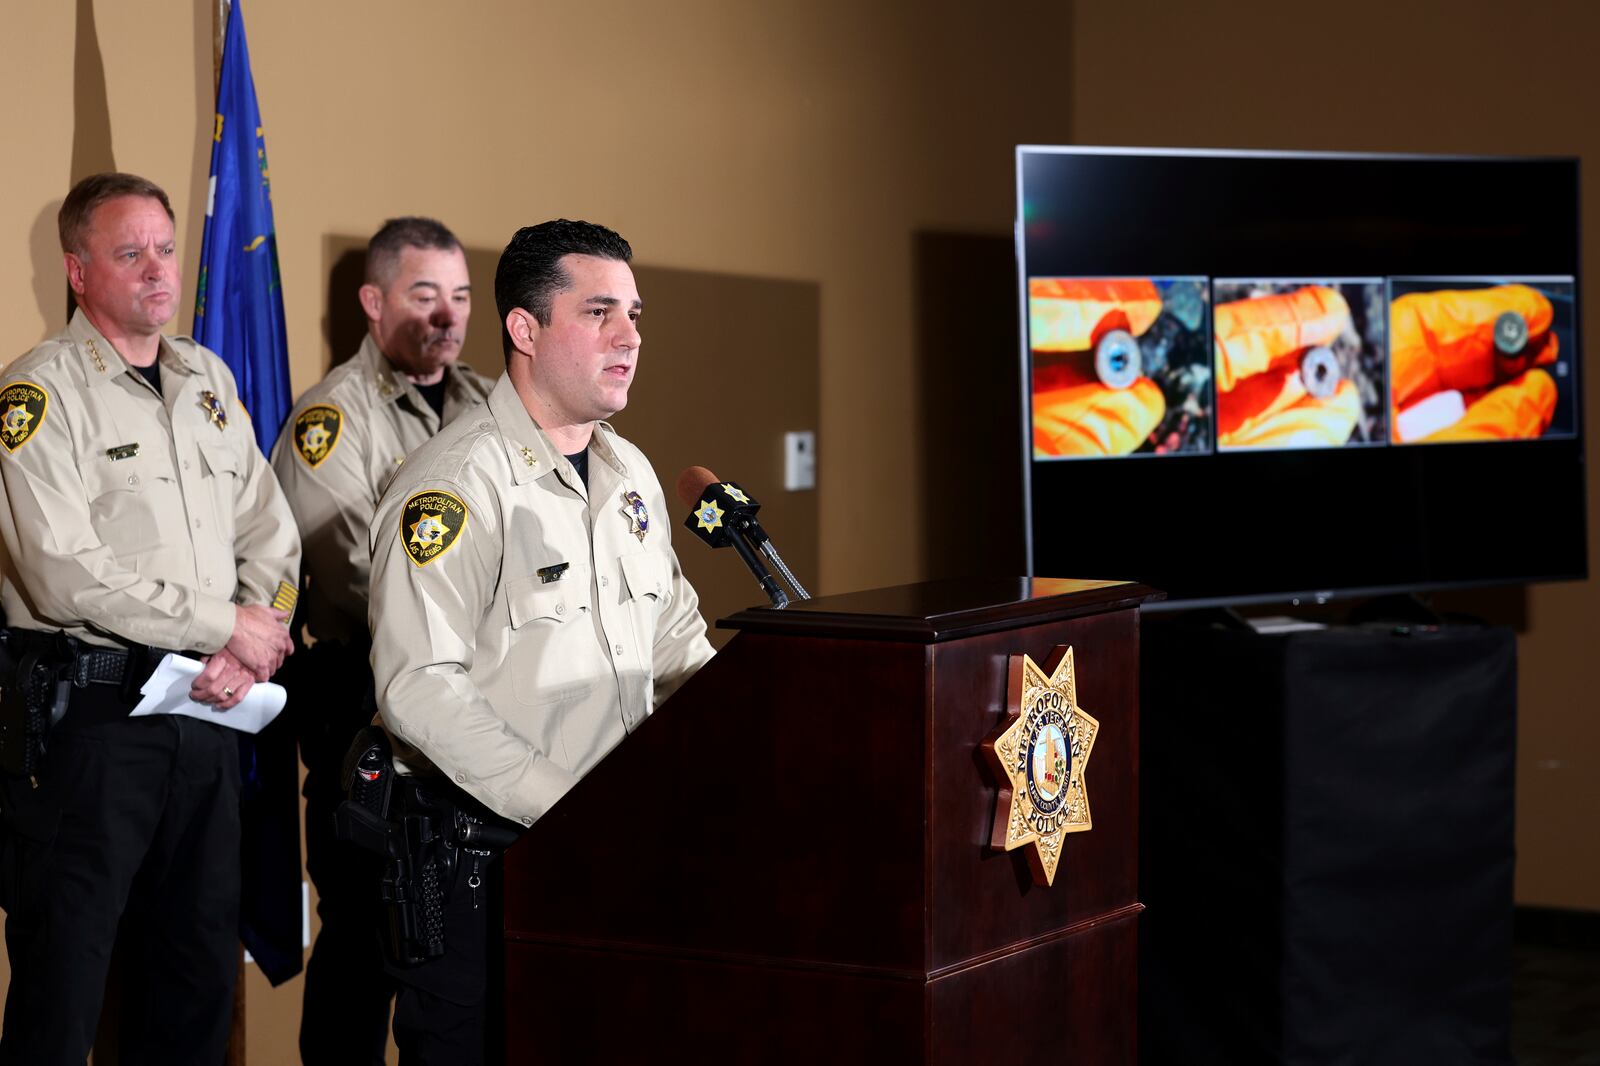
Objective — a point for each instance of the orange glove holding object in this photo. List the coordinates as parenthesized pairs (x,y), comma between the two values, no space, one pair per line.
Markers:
(1074,412)
(1254,335)
(1273,410)
(1445,341)
(1518,410)
(1262,398)
(1072,314)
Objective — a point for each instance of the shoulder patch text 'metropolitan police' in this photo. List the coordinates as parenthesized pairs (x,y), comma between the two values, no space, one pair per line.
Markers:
(22,408)
(316,432)
(430,523)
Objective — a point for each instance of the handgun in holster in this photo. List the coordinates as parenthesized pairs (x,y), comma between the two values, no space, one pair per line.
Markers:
(397,824)
(33,697)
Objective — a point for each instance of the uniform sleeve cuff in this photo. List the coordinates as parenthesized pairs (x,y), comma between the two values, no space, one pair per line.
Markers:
(212,626)
(540,787)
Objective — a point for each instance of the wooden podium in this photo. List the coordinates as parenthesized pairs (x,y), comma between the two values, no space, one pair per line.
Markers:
(790,862)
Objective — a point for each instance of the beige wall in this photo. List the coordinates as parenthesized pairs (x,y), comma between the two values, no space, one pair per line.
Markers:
(1373,75)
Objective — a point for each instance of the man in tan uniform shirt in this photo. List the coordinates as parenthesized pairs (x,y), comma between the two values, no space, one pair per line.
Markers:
(337,451)
(139,518)
(527,609)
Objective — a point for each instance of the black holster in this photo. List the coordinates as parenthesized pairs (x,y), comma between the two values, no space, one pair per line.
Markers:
(33,697)
(420,832)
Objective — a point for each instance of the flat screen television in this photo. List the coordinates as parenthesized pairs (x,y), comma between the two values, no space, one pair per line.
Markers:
(1259,376)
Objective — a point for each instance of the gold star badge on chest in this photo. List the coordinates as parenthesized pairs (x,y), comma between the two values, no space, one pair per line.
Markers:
(1039,755)
(633,509)
(212,406)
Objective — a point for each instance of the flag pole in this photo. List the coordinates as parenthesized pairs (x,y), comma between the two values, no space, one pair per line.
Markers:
(219,30)
(236,1036)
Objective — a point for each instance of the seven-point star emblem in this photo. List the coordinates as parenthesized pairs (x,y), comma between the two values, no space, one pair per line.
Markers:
(1039,754)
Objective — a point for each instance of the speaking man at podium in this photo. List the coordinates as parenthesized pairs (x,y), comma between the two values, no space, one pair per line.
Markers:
(527,609)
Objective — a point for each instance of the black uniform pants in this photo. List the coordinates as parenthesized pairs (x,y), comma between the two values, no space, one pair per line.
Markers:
(449,1011)
(134,820)
(344,1018)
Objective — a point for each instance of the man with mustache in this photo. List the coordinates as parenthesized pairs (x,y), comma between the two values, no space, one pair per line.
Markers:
(139,519)
(338,449)
(527,612)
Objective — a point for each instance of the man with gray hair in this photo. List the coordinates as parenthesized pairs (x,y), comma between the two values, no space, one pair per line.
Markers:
(140,523)
(338,450)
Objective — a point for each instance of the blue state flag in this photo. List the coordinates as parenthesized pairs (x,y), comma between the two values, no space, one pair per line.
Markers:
(238,311)
(238,314)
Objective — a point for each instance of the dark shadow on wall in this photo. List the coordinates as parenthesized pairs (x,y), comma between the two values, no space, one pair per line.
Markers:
(704,395)
(91,107)
(203,61)
(49,279)
(969,405)
(343,324)
(729,365)
(91,115)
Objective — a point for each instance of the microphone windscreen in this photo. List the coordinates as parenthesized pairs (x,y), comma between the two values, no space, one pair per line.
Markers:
(691,483)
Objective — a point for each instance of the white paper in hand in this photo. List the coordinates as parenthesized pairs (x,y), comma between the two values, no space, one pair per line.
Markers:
(167,692)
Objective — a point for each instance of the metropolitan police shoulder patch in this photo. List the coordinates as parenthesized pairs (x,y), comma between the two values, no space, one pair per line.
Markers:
(316,432)
(22,408)
(430,523)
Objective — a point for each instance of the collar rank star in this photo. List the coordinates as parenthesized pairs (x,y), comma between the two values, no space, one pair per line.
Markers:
(1039,755)
(212,406)
(633,510)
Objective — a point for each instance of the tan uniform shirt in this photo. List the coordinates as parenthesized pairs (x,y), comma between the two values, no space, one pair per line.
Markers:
(521,624)
(339,448)
(131,514)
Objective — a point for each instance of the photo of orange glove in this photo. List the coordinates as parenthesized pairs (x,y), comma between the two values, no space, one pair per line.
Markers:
(1119,366)
(1474,363)
(1297,367)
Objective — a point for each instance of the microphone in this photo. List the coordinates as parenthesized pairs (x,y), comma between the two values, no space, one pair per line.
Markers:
(721,513)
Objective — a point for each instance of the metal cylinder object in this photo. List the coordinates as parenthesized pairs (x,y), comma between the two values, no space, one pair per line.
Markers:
(1510,333)
(1319,372)
(1117,362)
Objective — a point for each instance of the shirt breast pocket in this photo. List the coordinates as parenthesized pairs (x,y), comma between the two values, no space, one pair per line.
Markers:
(551,657)
(648,576)
(221,469)
(123,500)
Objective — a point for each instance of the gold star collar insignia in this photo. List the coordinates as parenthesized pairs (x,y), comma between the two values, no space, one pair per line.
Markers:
(1039,755)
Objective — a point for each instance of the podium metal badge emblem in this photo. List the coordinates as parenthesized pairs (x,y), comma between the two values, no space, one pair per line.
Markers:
(1040,753)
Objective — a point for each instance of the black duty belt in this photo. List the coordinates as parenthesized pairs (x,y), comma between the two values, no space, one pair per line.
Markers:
(85,664)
